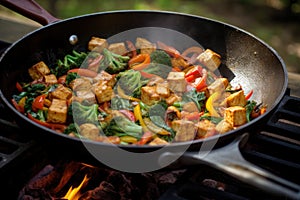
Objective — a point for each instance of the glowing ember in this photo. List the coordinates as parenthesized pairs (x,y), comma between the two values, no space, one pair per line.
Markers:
(73,194)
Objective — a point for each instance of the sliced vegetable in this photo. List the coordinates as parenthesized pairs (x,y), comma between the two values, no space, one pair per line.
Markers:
(84,72)
(122,94)
(38,102)
(139,62)
(210,104)
(147,136)
(129,114)
(248,96)
(192,50)
(200,83)
(169,49)
(19,87)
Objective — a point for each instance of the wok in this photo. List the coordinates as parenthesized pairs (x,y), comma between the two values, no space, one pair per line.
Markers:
(245,59)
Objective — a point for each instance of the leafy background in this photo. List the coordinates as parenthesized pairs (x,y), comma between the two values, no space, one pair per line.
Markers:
(277,22)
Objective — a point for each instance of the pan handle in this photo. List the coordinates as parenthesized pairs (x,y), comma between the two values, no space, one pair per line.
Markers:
(31,10)
(230,160)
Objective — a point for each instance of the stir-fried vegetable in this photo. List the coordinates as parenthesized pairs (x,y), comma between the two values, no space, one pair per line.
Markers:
(140,93)
(114,63)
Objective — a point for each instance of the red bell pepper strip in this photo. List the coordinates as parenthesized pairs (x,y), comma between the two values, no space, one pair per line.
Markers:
(193,116)
(169,49)
(147,136)
(38,102)
(17,106)
(200,83)
(139,62)
(192,50)
(83,72)
(146,75)
(129,114)
(56,127)
(247,97)
(19,87)
(95,62)
(62,79)
(38,121)
(196,71)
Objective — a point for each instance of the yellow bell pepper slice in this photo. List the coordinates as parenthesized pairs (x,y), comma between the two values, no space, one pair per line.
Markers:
(125,96)
(210,104)
(128,139)
(138,115)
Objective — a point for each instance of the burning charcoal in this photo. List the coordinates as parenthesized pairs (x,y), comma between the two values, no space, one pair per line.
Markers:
(105,191)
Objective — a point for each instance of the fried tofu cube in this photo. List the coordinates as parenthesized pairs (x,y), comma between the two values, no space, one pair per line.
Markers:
(224,126)
(89,130)
(86,95)
(210,59)
(144,45)
(162,89)
(172,99)
(176,82)
(80,84)
(190,107)
(179,63)
(204,127)
(218,85)
(103,91)
(158,141)
(38,70)
(104,76)
(61,92)
(235,115)
(50,79)
(97,44)
(149,95)
(236,99)
(118,48)
(57,112)
(185,130)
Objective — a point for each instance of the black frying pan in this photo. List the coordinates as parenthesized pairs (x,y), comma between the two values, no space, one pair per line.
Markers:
(245,59)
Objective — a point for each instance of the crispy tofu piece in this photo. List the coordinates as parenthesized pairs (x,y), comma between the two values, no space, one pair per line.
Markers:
(86,95)
(210,59)
(236,99)
(204,127)
(176,82)
(50,79)
(89,131)
(118,48)
(185,130)
(97,44)
(218,85)
(61,92)
(158,141)
(144,45)
(80,84)
(57,112)
(179,63)
(224,126)
(38,70)
(235,115)
(172,99)
(104,76)
(190,107)
(162,89)
(103,91)
(149,95)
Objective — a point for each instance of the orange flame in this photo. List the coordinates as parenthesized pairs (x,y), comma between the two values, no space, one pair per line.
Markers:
(73,194)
